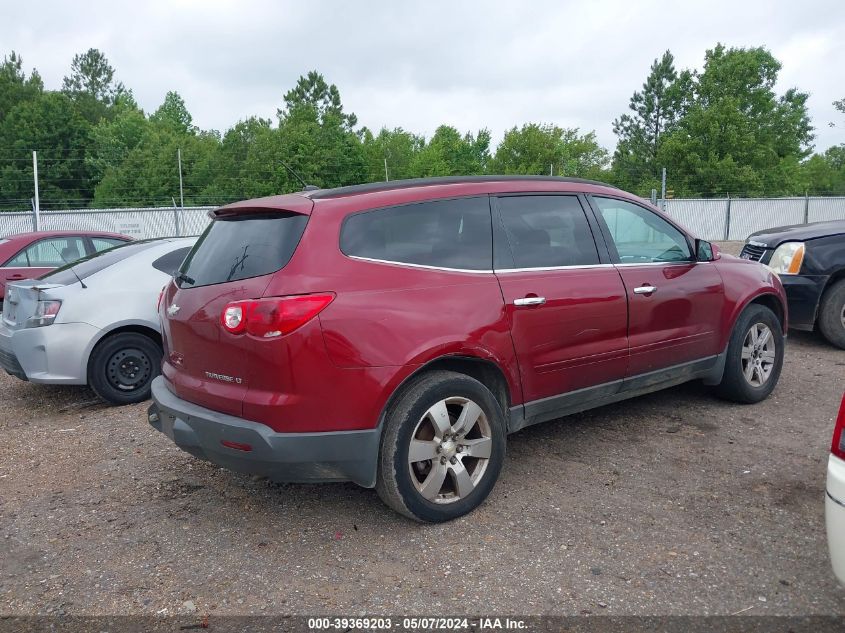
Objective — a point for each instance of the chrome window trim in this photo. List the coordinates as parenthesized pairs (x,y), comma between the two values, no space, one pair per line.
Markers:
(421,266)
(674,263)
(552,268)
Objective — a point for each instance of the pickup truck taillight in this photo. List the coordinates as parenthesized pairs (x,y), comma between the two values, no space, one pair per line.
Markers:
(837,446)
(273,316)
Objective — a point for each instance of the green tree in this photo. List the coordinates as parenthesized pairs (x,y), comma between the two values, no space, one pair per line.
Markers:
(174,114)
(655,110)
(543,149)
(738,136)
(48,123)
(317,137)
(396,147)
(92,86)
(450,154)
(15,86)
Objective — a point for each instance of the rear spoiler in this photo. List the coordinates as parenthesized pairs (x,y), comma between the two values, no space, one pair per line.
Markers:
(291,203)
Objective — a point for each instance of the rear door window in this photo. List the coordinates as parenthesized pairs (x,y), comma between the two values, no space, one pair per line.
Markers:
(453,234)
(241,247)
(547,231)
(50,253)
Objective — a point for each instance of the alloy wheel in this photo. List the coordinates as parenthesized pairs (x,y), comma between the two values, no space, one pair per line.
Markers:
(450,450)
(758,355)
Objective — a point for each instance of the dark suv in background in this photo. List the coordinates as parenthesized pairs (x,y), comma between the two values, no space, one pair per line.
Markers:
(393,334)
(810,259)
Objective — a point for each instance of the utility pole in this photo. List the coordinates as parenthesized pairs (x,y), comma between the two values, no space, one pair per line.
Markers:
(386,177)
(181,195)
(37,208)
(663,191)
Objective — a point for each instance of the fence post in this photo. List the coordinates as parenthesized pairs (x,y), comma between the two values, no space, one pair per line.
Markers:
(806,207)
(728,219)
(36,208)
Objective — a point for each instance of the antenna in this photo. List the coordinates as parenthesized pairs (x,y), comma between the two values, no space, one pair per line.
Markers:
(305,185)
(69,265)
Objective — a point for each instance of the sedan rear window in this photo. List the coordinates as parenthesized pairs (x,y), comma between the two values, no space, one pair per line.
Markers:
(242,247)
(87,266)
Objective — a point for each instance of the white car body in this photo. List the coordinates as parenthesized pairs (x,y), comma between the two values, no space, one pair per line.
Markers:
(121,295)
(834,510)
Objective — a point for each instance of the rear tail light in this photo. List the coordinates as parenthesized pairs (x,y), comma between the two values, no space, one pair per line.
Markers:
(45,313)
(160,297)
(274,316)
(837,446)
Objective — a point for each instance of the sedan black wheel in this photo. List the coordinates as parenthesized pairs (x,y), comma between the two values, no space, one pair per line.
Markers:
(122,367)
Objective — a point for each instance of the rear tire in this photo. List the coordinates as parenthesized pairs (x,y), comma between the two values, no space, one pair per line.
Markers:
(832,314)
(122,367)
(754,356)
(442,447)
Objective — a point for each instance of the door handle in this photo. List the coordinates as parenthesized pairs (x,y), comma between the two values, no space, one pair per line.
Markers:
(645,290)
(529,301)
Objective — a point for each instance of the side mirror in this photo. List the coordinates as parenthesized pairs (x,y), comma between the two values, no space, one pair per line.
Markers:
(705,251)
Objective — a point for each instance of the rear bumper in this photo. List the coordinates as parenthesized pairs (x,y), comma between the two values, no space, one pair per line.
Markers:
(803,293)
(283,457)
(55,354)
(834,510)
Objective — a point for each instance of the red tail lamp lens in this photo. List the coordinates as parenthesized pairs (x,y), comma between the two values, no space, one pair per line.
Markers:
(837,445)
(274,316)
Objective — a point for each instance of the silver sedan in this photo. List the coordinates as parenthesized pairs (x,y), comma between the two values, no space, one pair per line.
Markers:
(93,321)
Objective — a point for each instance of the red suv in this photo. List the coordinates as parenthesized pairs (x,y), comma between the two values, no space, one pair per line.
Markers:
(393,334)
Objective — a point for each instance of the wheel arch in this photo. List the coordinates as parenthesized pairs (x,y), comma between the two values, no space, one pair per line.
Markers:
(136,327)
(772,302)
(484,370)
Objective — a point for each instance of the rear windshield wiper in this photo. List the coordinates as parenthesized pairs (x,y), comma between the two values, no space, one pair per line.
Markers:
(185,278)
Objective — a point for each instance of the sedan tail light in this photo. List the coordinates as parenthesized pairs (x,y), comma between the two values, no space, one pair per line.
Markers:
(837,445)
(45,313)
(273,316)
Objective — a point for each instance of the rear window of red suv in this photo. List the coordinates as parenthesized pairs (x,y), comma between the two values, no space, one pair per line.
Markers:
(241,247)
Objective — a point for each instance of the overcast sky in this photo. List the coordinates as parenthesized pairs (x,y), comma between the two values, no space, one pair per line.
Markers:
(490,64)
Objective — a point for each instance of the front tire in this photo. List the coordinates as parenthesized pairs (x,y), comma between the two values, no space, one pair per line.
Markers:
(122,368)
(442,447)
(754,356)
(832,314)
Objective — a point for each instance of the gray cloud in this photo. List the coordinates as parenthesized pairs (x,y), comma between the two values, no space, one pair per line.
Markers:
(470,64)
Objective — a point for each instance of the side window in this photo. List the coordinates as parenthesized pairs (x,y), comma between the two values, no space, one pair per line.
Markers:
(547,231)
(105,243)
(50,253)
(18,261)
(640,235)
(441,233)
(170,262)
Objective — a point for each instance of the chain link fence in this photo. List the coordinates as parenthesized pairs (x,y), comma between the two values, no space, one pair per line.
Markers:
(737,218)
(140,223)
(708,218)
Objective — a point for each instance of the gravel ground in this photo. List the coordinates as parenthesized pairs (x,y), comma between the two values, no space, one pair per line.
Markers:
(672,503)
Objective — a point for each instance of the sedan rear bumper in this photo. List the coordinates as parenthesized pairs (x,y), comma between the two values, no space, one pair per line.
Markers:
(834,509)
(253,448)
(54,354)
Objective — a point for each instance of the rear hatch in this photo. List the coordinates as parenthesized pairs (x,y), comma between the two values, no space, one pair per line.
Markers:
(234,260)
